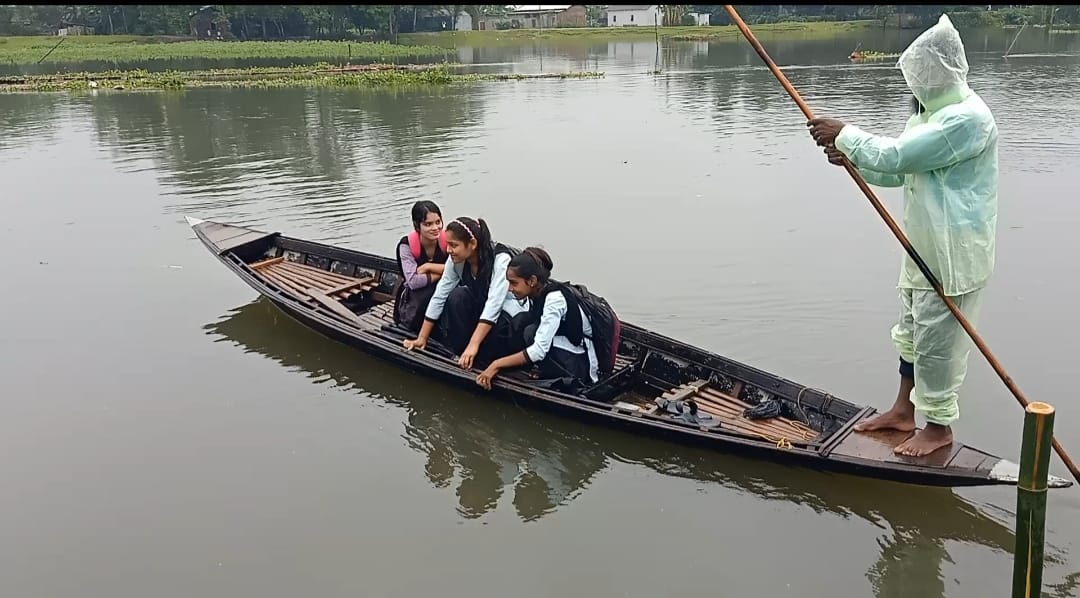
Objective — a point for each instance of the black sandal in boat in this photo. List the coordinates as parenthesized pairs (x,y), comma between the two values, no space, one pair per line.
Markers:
(771,408)
(687,411)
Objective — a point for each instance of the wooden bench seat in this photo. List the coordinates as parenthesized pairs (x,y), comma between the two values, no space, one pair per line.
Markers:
(299,278)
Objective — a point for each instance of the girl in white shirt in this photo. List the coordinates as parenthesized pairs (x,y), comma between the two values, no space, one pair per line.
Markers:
(471,304)
(557,336)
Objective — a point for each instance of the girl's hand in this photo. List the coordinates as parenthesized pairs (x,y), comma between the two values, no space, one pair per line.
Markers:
(468,356)
(485,377)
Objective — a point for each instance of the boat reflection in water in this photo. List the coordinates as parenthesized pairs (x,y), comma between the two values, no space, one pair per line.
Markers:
(491,448)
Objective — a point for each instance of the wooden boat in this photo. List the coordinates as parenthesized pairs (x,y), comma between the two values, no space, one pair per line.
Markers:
(347,296)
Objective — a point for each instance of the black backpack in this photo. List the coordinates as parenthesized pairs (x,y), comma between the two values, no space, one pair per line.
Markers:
(606,327)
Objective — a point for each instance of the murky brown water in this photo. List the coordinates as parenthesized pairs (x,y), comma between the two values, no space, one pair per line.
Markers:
(165,434)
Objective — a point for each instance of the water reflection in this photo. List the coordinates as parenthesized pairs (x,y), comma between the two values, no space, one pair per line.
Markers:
(917,522)
(488,449)
(485,448)
(293,151)
(543,467)
(737,89)
(1066,588)
(26,119)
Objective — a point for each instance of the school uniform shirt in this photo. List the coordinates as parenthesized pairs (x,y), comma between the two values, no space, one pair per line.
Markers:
(555,308)
(499,297)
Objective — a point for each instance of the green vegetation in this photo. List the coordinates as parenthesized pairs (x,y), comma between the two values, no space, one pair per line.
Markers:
(592,34)
(865,55)
(322,75)
(128,48)
(163,32)
(801,30)
(254,21)
(963,15)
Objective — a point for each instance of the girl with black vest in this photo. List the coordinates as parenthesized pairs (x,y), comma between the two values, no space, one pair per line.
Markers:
(472,304)
(557,333)
(421,257)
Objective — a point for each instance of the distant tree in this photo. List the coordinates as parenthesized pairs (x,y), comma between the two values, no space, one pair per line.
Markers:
(594,15)
(673,13)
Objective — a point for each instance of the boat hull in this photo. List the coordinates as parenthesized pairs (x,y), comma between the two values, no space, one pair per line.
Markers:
(840,452)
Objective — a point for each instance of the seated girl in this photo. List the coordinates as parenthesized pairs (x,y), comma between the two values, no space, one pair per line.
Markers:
(472,304)
(557,334)
(421,257)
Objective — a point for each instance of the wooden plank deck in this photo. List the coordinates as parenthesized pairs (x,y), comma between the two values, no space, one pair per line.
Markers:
(298,278)
(729,411)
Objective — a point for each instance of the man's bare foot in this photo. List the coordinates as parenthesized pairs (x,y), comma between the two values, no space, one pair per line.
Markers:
(901,416)
(894,419)
(925,441)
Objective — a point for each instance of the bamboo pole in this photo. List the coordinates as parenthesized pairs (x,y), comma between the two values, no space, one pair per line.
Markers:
(1031,500)
(915,257)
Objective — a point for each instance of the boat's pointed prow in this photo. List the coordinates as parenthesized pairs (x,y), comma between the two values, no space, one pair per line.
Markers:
(1007,471)
(1056,482)
(224,237)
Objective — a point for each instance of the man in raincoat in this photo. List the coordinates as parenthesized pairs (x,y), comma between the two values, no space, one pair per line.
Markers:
(946,161)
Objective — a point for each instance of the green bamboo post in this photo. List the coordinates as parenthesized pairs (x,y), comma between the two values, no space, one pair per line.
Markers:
(1031,500)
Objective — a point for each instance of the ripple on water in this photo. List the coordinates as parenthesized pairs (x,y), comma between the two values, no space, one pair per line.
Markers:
(292,191)
(33,120)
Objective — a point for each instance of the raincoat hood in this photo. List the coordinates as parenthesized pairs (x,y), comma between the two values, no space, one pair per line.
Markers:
(935,67)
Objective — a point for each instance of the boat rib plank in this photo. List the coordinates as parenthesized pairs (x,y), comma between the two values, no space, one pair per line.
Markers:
(287,285)
(314,272)
(332,284)
(303,282)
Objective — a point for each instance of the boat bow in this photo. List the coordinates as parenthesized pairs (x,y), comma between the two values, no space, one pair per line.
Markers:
(1007,471)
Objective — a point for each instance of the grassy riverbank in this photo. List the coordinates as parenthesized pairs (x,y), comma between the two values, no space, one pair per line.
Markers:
(815,30)
(322,75)
(131,48)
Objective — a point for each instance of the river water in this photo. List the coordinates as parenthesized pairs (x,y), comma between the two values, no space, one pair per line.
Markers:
(164,433)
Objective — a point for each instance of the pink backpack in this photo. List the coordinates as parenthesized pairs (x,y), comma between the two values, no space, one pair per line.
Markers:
(414,243)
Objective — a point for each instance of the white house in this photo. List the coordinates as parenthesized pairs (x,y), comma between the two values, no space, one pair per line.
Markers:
(634,16)
(701,18)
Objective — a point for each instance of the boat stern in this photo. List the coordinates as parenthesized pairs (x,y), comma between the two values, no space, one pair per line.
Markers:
(1008,472)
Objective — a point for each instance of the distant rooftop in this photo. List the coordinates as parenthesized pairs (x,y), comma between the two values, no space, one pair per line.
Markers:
(623,7)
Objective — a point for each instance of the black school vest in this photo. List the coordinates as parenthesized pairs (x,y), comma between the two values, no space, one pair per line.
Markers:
(571,326)
(480,283)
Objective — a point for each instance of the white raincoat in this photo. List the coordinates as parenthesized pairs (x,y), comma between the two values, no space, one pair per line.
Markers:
(946,160)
